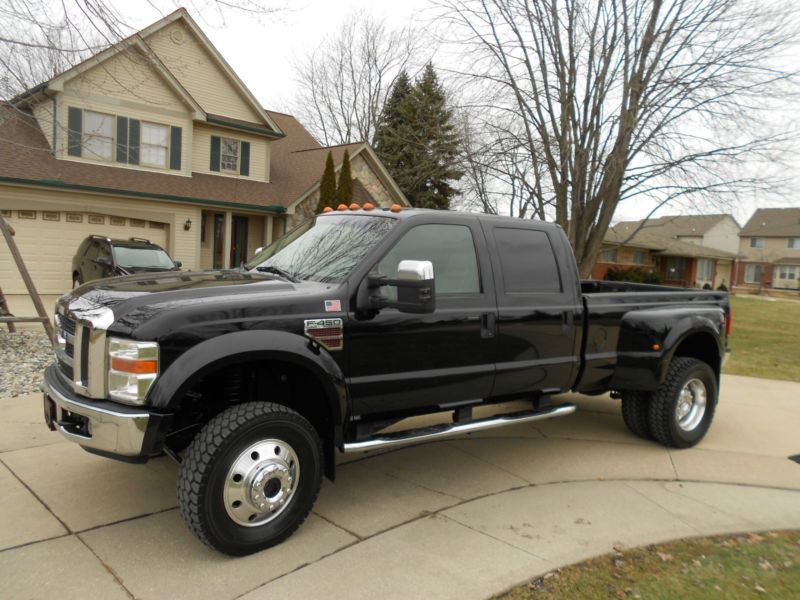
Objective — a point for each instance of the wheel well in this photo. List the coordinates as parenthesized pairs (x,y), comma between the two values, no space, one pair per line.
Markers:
(701,346)
(275,381)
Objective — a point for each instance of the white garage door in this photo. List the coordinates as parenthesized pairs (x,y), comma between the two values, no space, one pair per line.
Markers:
(49,240)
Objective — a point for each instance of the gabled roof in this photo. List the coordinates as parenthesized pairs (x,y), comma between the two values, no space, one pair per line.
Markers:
(773,222)
(138,41)
(662,244)
(675,225)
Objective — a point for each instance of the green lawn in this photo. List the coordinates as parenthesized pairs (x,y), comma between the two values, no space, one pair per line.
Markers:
(765,338)
(740,566)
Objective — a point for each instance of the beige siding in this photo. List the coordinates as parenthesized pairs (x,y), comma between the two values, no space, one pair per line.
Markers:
(186,58)
(201,152)
(128,76)
(723,236)
(48,246)
(43,111)
(112,107)
(774,248)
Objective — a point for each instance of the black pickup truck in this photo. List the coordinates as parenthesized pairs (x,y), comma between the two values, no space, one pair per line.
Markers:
(253,378)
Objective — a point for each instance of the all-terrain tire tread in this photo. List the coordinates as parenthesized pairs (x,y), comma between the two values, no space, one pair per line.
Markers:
(661,405)
(635,413)
(198,460)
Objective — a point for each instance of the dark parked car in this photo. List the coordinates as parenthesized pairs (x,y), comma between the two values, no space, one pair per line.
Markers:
(99,257)
(253,378)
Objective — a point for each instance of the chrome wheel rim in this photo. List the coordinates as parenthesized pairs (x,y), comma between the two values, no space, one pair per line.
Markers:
(261,482)
(691,404)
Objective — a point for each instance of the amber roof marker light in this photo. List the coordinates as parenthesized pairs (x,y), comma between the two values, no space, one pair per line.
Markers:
(354,206)
(368,206)
(327,209)
(396,208)
(342,207)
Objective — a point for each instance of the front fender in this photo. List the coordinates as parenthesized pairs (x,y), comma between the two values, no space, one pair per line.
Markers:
(234,347)
(639,366)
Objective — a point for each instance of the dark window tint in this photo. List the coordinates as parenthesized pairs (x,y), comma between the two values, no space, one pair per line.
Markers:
(451,250)
(104,251)
(527,261)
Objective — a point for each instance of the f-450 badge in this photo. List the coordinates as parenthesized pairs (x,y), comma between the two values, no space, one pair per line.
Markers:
(328,332)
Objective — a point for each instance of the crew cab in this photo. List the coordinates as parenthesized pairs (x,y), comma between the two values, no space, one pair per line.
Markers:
(253,378)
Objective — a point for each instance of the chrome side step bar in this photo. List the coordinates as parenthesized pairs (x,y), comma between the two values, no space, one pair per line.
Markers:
(434,432)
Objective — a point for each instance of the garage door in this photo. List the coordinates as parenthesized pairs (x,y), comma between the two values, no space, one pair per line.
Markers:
(49,240)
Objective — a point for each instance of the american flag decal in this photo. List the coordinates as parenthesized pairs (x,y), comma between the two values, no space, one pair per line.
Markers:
(333,305)
(328,332)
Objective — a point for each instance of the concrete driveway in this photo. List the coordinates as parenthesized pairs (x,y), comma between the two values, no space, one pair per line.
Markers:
(464,518)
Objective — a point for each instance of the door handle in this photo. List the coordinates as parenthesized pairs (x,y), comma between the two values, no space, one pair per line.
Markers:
(488,325)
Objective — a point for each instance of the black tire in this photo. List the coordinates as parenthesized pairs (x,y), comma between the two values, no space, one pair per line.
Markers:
(210,459)
(663,413)
(635,413)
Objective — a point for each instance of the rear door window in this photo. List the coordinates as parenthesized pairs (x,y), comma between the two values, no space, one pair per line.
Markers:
(527,261)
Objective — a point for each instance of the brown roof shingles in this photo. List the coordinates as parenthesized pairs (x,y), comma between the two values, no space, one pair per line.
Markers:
(773,222)
(297,161)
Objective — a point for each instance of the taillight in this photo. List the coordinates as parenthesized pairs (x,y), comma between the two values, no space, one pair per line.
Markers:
(728,320)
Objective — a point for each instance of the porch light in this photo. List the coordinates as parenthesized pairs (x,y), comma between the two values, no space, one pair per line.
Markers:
(187,225)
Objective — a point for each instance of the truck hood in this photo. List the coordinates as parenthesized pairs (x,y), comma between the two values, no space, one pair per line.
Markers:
(151,305)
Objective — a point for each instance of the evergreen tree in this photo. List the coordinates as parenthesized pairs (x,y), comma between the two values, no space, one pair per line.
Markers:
(344,193)
(327,186)
(418,141)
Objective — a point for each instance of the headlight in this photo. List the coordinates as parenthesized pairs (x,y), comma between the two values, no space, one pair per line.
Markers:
(133,367)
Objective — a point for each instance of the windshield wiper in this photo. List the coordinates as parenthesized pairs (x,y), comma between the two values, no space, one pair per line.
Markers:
(278,271)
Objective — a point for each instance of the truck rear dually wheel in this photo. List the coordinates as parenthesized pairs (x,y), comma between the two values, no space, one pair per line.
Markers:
(636,413)
(250,477)
(682,409)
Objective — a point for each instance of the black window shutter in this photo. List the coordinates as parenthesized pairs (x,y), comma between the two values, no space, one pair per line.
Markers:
(215,153)
(122,139)
(175,148)
(74,131)
(244,159)
(134,128)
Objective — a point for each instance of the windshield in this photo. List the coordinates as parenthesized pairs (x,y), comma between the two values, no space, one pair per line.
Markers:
(142,258)
(324,249)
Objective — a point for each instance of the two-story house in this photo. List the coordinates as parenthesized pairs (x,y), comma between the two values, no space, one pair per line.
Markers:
(770,246)
(157,137)
(685,250)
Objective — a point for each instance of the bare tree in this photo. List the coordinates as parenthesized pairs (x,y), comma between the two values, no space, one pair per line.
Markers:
(624,99)
(345,81)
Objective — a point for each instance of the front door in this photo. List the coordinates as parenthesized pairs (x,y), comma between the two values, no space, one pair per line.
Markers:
(399,362)
(238,241)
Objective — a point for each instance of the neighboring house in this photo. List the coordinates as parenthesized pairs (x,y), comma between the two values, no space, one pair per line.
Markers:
(685,250)
(770,247)
(157,137)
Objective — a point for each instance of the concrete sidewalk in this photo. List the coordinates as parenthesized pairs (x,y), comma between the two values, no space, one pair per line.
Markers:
(464,518)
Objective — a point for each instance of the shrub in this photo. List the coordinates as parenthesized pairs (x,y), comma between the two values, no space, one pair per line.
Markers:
(634,275)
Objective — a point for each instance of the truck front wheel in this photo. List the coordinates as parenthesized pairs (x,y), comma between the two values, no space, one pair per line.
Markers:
(682,409)
(250,477)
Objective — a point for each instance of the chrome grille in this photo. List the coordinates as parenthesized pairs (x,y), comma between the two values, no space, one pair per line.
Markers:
(81,348)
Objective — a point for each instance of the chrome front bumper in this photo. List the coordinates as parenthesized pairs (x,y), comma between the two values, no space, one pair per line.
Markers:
(99,426)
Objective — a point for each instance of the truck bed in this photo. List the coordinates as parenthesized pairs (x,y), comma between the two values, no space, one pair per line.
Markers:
(617,311)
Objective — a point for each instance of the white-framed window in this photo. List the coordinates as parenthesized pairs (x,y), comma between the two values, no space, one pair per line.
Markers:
(639,257)
(98,135)
(229,154)
(609,255)
(794,243)
(705,269)
(756,242)
(787,272)
(753,273)
(154,148)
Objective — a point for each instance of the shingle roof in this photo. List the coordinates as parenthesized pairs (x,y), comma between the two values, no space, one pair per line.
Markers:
(662,243)
(297,162)
(773,222)
(675,225)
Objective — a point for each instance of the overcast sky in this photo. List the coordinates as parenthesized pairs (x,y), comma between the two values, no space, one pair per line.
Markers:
(262,50)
